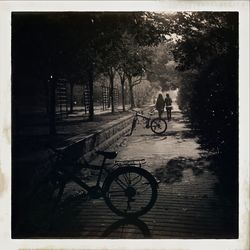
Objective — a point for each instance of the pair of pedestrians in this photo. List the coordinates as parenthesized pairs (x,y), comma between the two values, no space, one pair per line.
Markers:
(161,103)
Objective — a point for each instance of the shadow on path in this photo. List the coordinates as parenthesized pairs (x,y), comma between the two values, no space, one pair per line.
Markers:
(120,228)
(173,171)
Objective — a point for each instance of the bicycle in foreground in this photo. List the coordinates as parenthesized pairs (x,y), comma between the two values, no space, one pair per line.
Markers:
(127,189)
(157,125)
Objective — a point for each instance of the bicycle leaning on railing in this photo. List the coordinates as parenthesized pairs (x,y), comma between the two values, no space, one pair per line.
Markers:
(157,125)
(128,189)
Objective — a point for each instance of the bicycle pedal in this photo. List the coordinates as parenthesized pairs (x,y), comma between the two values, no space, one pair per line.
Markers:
(87,198)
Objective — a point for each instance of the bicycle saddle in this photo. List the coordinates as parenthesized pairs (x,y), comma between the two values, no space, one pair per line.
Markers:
(108,155)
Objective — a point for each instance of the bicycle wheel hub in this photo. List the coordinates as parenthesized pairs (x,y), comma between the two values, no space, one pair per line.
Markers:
(130,192)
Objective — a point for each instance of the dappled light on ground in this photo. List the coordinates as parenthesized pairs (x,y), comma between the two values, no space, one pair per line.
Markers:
(173,171)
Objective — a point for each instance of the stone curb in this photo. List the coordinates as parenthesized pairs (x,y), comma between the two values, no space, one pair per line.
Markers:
(100,140)
(35,166)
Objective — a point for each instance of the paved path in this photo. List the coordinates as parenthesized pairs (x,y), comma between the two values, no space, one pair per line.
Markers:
(187,206)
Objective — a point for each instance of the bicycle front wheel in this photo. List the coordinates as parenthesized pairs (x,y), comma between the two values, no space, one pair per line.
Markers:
(158,126)
(130,191)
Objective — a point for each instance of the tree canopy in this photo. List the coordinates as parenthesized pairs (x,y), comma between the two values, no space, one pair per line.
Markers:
(207,54)
(203,46)
(79,46)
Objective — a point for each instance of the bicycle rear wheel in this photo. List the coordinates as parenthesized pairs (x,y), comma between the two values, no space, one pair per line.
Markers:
(158,126)
(130,191)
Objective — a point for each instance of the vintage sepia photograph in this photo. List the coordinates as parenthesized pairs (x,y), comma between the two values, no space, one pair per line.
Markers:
(125,125)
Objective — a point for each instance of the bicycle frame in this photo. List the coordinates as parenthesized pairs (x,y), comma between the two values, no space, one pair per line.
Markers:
(118,164)
(145,118)
(131,173)
(157,125)
(72,174)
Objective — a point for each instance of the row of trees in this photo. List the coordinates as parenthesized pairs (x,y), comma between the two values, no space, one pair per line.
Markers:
(206,50)
(82,46)
(208,56)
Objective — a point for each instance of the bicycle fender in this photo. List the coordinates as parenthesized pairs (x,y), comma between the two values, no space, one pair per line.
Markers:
(106,181)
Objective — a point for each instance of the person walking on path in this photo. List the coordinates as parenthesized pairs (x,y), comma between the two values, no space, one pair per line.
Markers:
(160,105)
(168,102)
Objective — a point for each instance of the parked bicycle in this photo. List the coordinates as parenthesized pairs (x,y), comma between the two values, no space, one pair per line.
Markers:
(128,189)
(157,125)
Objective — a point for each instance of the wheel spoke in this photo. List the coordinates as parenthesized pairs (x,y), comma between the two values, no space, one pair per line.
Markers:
(134,184)
(145,189)
(127,178)
(121,183)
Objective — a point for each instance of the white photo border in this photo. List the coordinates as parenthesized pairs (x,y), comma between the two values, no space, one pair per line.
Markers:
(7,7)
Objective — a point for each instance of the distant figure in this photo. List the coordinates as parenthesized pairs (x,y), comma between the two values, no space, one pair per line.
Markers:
(160,104)
(168,102)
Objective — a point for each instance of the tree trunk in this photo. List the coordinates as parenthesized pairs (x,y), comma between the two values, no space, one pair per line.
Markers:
(111,80)
(131,93)
(71,97)
(112,95)
(91,99)
(122,78)
(123,96)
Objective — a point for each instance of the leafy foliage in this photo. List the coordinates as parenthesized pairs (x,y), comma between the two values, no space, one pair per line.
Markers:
(162,68)
(80,46)
(208,54)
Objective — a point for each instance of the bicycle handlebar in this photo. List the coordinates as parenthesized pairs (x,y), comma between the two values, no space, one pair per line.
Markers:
(141,112)
(57,151)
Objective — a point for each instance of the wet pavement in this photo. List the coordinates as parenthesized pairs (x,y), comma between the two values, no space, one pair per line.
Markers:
(187,204)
